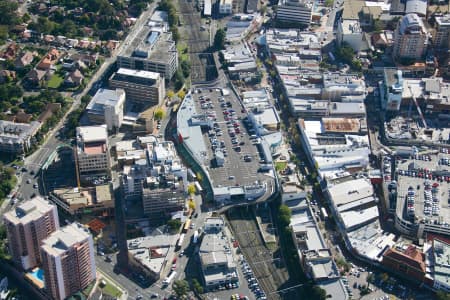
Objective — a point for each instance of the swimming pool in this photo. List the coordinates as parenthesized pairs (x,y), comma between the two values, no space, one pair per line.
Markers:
(38,274)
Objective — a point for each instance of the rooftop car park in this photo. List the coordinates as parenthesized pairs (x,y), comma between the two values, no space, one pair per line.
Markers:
(228,149)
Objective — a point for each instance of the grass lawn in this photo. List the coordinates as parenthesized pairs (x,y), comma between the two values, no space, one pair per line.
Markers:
(182,47)
(111,290)
(280,165)
(55,81)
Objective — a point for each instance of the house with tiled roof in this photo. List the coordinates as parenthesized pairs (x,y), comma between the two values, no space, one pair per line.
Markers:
(74,78)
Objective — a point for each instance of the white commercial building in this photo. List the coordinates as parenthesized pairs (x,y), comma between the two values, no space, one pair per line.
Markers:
(106,107)
(350,32)
(17,137)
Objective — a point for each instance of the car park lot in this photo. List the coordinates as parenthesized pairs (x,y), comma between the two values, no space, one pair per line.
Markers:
(230,134)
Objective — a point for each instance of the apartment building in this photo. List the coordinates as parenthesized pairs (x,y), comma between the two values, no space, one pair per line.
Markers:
(442,34)
(92,156)
(27,226)
(17,137)
(106,107)
(153,49)
(140,86)
(294,11)
(410,38)
(68,261)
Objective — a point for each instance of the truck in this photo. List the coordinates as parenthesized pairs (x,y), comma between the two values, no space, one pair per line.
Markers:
(169,279)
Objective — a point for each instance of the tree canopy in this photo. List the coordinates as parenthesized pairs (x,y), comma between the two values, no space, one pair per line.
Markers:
(159,114)
(284,215)
(219,39)
(181,288)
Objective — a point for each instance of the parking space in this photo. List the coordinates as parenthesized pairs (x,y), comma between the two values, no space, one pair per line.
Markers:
(230,138)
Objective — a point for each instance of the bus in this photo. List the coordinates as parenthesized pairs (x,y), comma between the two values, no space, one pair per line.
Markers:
(180,241)
(195,237)
(169,278)
(187,225)
(324,212)
(198,187)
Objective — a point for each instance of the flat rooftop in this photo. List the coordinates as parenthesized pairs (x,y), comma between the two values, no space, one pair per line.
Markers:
(350,191)
(29,211)
(105,97)
(88,134)
(411,175)
(138,73)
(61,240)
(441,261)
(196,118)
(150,43)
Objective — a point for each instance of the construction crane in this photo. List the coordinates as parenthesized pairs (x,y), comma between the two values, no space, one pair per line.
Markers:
(75,154)
(417,107)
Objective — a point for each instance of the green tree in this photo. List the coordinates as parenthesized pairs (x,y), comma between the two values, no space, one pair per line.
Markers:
(329,3)
(178,79)
(181,94)
(159,114)
(197,287)
(384,277)
(318,293)
(185,68)
(170,94)
(174,224)
(284,215)
(191,189)
(219,39)
(181,288)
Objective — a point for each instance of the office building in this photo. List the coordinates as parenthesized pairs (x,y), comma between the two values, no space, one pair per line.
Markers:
(26,226)
(350,32)
(140,86)
(92,150)
(96,200)
(442,34)
(153,49)
(225,7)
(392,89)
(294,11)
(410,38)
(68,261)
(17,137)
(106,107)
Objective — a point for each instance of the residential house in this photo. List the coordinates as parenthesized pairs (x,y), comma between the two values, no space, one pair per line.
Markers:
(23,60)
(36,77)
(48,38)
(11,51)
(74,78)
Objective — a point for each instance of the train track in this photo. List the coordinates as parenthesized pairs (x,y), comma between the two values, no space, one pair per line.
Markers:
(197,41)
(270,278)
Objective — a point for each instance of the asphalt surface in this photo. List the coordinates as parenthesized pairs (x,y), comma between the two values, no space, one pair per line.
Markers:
(268,269)
(236,171)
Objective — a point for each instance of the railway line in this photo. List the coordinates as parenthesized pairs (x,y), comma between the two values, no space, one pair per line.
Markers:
(270,277)
(197,41)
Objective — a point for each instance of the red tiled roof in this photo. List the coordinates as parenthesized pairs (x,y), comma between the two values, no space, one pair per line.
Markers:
(411,256)
(96,225)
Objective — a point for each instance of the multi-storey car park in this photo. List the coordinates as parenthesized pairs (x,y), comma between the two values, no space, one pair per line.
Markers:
(213,127)
(422,190)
